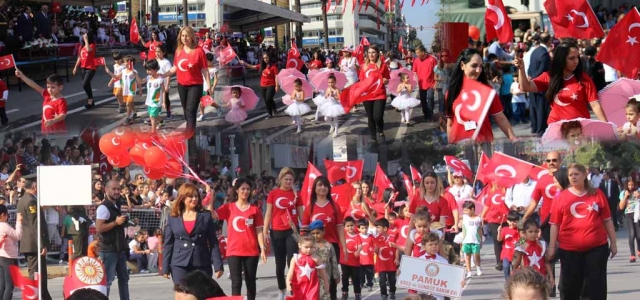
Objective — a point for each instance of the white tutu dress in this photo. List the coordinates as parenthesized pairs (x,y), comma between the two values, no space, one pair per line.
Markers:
(237,113)
(320,100)
(297,108)
(404,101)
(332,108)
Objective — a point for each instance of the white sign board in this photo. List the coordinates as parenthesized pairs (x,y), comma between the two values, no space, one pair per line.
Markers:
(64,185)
(431,277)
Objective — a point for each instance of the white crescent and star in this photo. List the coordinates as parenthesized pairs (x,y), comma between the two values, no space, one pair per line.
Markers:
(455,163)
(294,61)
(347,242)
(362,252)
(404,231)
(633,39)
(33,289)
(508,168)
(115,141)
(316,216)
(547,190)
(352,171)
(44,109)
(234,223)
(381,256)
(366,75)
(506,237)
(542,173)
(180,65)
(457,114)
(558,102)
(493,199)
(574,212)
(114,161)
(277,202)
(6,62)
(499,14)
(582,15)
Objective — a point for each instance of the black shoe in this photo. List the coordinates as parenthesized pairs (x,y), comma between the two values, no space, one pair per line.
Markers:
(89,105)
(499,267)
(382,138)
(553,292)
(268,117)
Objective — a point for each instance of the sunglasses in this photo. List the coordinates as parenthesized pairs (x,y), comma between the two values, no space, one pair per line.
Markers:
(552,160)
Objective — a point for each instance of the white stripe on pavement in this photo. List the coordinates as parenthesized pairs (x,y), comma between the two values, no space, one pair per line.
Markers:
(77,94)
(12,111)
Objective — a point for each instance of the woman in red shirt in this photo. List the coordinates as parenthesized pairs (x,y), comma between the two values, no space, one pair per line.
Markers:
(469,66)
(268,83)
(245,240)
(282,205)
(152,45)
(430,196)
(580,226)
(86,63)
(316,62)
(568,89)
(358,208)
(377,100)
(191,69)
(322,207)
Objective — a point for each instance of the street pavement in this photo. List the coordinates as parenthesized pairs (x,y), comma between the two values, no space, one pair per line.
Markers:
(622,281)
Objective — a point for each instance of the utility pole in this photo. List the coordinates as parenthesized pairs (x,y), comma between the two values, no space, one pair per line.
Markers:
(154,12)
(185,13)
(325,23)
(299,26)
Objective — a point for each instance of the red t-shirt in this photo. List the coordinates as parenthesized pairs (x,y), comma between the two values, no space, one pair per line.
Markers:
(87,57)
(580,220)
(268,77)
(189,66)
(284,205)
(402,226)
(242,237)
(353,241)
(453,206)
(437,209)
(152,45)
(3,88)
(52,109)
(366,254)
(573,100)
(385,254)
(546,190)
(424,70)
(315,64)
(330,217)
(458,132)
(365,72)
(378,207)
(498,210)
(510,237)
(533,255)
(188,226)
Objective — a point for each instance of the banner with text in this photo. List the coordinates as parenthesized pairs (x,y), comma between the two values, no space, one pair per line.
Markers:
(431,277)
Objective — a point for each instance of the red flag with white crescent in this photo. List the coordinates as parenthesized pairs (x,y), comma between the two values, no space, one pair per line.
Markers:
(381,181)
(359,91)
(307,184)
(507,171)
(484,161)
(415,174)
(364,41)
(351,171)
(29,287)
(497,22)
(342,195)
(471,109)
(619,50)
(573,19)
(458,166)
(7,62)
(226,55)
(134,36)
(408,184)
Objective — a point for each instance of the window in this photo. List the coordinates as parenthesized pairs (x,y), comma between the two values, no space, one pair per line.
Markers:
(311,5)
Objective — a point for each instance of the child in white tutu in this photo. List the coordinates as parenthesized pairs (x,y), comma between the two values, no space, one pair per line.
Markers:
(404,102)
(237,114)
(332,109)
(319,101)
(630,130)
(298,107)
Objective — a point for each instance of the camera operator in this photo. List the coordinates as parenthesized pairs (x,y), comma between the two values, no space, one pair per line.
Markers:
(110,225)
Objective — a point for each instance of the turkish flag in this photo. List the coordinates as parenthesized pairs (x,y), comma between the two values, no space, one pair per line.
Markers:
(573,19)
(381,181)
(342,195)
(364,41)
(28,286)
(143,56)
(226,55)
(225,27)
(134,36)
(484,161)
(7,62)
(497,22)
(459,166)
(415,174)
(307,184)
(408,184)
(99,61)
(351,171)
(359,91)
(471,107)
(507,171)
(293,58)
(359,54)
(620,49)
(484,194)
(538,172)
(91,137)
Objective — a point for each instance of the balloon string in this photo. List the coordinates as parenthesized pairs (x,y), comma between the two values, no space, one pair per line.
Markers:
(181,160)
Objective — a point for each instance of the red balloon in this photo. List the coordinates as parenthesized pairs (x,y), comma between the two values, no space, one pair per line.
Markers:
(120,161)
(173,169)
(137,153)
(111,145)
(127,137)
(155,157)
(474,32)
(153,174)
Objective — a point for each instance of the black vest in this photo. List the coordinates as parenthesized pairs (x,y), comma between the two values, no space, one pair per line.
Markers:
(112,240)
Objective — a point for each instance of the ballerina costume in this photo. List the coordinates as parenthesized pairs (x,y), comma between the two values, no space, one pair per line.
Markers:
(236,114)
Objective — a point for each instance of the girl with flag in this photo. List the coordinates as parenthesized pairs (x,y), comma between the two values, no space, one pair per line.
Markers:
(86,62)
(152,45)
(375,103)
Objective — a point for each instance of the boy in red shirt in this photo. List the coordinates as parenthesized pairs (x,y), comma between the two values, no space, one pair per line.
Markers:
(4,96)
(54,106)
(350,263)
(509,237)
(388,258)
(366,255)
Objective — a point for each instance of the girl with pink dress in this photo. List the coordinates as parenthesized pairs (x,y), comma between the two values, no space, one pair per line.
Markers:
(237,114)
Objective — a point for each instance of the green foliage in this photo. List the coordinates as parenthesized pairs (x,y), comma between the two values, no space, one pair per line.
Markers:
(621,156)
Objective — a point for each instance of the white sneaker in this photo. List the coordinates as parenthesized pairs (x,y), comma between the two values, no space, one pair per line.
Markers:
(280,296)
(473,262)
(332,129)
(469,275)
(293,122)
(478,271)
(335,133)
(402,120)
(299,130)
(200,118)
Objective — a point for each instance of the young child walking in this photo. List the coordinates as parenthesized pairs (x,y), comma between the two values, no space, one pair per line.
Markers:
(52,119)
(509,236)
(236,114)
(130,84)
(156,90)
(213,77)
(366,255)
(306,272)
(471,225)
(325,251)
(298,107)
(165,66)
(387,259)
(118,66)
(9,239)
(350,263)
(332,108)
(430,244)
(531,253)
(404,102)
(631,129)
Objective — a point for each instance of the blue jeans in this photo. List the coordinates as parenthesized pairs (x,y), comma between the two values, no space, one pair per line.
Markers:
(506,268)
(426,101)
(518,112)
(116,264)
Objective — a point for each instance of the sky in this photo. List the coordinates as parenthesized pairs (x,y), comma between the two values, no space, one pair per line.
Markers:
(424,15)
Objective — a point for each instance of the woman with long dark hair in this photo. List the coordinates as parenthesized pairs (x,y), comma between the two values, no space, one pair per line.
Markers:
(191,69)
(358,208)
(568,89)
(245,240)
(628,202)
(190,241)
(316,62)
(322,207)
(581,228)
(87,65)
(469,66)
(375,104)
(152,45)
(268,83)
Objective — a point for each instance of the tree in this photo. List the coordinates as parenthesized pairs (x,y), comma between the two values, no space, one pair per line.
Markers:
(299,26)
(325,23)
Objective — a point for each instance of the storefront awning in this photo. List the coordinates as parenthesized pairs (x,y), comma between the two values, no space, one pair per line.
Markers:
(251,15)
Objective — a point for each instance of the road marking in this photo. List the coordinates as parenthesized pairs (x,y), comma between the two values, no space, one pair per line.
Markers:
(77,94)
(400,131)
(372,293)
(12,111)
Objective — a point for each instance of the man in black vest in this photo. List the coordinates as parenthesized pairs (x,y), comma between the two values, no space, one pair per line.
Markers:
(110,224)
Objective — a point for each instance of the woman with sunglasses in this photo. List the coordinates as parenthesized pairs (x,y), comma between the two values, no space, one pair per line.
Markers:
(376,102)
(268,83)
(459,129)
